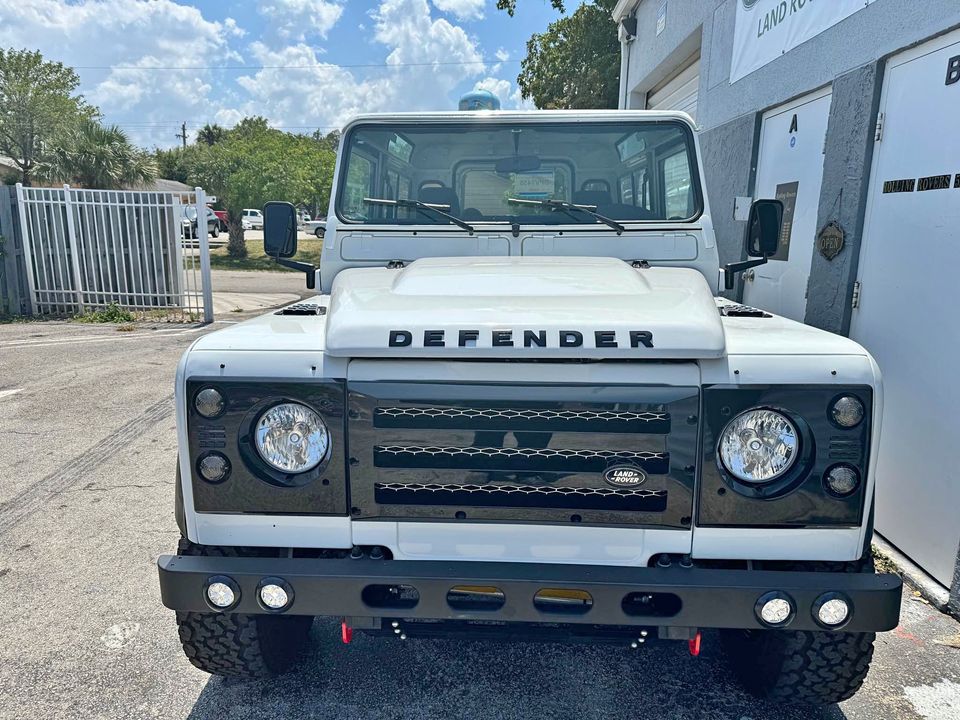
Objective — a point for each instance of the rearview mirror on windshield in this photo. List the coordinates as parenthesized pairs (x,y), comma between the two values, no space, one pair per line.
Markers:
(517,164)
(279,230)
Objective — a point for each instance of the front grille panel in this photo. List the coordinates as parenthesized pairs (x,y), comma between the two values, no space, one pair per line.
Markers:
(573,498)
(522,453)
(523,419)
(510,459)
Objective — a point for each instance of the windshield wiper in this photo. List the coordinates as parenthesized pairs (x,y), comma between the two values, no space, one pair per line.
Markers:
(565,206)
(425,208)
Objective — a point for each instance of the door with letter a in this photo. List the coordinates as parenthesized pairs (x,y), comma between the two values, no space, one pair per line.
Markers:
(790,168)
(908,311)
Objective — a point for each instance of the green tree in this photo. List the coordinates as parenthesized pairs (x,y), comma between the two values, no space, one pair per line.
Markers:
(210,134)
(254,164)
(511,5)
(575,63)
(38,103)
(95,156)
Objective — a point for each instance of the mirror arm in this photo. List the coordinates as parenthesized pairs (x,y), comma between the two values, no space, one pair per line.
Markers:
(303,267)
(731,269)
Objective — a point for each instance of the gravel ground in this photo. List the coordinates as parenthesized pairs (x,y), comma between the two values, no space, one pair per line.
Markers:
(86,506)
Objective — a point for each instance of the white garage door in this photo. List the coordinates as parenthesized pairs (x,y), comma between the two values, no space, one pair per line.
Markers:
(909,302)
(790,169)
(678,93)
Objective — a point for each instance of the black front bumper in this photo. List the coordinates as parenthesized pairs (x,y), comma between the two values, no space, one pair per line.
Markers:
(695,597)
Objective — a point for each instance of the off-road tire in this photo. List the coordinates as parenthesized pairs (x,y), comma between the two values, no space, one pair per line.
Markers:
(802,667)
(236,644)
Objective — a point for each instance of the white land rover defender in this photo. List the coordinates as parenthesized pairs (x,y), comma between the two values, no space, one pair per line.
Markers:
(517,406)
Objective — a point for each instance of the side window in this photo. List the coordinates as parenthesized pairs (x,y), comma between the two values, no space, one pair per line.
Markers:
(677,186)
(626,190)
(357,186)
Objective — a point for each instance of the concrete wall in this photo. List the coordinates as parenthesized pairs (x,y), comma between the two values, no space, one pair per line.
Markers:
(880,29)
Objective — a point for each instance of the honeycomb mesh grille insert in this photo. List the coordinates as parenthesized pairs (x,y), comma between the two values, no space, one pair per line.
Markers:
(651,421)
(543,496)
(532,459)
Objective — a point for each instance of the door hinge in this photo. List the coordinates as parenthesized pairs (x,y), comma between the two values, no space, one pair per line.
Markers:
(878,136)
(855,301)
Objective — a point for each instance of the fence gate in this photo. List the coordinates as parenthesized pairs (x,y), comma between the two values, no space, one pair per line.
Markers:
(86,249)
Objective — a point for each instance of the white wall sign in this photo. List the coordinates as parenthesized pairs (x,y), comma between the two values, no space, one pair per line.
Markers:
(766,29)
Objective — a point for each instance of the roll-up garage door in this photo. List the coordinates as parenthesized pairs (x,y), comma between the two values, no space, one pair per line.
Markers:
(679,92)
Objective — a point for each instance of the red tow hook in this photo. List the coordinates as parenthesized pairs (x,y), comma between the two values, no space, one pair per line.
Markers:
(346,633)
(695,644)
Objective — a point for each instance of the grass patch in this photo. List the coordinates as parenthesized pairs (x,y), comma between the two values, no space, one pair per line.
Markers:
(882,563)
(308,250)
(112,313)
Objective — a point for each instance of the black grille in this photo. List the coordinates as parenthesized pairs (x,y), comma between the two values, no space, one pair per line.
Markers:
(515,459)
(532,419)
(602,498)
(522,453)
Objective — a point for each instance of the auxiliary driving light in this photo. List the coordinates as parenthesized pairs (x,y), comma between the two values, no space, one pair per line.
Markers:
(841,480)
(775,609)
(214,467)
(847,411)
(831,610)
(275,594)
(222,592)
(209,403)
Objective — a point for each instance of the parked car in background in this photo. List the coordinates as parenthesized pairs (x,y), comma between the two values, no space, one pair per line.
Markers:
(188,222)
(252,219)
(315,227)
(222,216)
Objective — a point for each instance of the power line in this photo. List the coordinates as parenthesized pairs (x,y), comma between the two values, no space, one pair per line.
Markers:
(293,67)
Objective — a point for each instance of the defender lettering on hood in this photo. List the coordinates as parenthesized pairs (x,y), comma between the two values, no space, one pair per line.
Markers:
(530,338)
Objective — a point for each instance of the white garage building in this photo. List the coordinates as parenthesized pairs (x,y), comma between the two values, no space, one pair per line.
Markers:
(847,111)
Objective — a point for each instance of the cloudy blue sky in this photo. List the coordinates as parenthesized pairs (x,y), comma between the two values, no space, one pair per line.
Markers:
(304,64)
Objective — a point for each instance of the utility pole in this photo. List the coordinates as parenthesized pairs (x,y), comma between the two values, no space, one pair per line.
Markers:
(183,135)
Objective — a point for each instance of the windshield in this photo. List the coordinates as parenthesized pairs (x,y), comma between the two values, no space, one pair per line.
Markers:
(639,171)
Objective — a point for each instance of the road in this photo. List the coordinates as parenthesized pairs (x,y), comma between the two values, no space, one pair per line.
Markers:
(86,506)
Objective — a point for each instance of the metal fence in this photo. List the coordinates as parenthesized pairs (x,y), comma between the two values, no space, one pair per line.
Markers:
(87,249)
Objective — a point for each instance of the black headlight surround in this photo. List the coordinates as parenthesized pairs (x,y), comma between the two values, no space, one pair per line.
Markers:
(783,484)
(253,485)
(798,498)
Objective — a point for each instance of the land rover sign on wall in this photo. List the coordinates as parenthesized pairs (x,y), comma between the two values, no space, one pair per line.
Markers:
(766,29)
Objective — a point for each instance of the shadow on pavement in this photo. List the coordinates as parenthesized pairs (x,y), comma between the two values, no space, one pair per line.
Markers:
(389,678)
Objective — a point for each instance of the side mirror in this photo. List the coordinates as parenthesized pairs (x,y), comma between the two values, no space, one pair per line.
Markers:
(763,238)
(280,238)
(763,228)
(279,230)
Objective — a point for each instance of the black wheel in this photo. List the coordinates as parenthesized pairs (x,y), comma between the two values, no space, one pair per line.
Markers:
(239,645)
(795,667)
(802,667)
(216,230)
(319,233)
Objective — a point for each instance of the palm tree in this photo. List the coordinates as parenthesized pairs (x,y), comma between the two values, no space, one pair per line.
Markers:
(210,134)
(95,156)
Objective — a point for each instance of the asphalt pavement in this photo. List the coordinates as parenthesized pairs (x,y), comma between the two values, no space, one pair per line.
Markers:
(86,506)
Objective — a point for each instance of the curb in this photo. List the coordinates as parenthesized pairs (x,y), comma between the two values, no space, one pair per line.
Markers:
(914,576)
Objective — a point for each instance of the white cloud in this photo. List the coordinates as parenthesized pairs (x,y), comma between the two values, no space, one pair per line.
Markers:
(502,55)
(427,58)
(510,97)
(296,19)
(135,35)
(461,9)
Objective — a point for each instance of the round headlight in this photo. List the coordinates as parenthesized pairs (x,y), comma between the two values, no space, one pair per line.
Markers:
(759,445)
(292,438)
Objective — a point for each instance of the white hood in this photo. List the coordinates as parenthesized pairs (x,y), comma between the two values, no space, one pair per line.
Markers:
(464,308)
